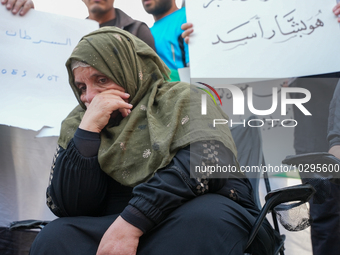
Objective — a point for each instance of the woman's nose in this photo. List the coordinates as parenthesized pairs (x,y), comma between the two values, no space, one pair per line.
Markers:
(89,95)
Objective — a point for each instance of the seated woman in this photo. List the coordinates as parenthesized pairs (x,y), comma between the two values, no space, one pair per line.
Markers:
(121,181)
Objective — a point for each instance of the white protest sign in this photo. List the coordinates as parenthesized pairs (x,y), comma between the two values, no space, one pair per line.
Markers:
(35,91)
(259,39)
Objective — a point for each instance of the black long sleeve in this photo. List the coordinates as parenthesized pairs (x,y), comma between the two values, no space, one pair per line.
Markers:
(77,184)
(170,188)
(79,187)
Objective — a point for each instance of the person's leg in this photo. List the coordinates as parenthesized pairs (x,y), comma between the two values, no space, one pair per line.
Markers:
(310,135)
(71,235)
(209,224)
(326,224)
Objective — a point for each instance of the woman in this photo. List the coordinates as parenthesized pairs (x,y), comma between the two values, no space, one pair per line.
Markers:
(120,181)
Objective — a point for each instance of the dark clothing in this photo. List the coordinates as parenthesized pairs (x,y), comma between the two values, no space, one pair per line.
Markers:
(170,206)
(135,27)
(325,229)
(326,232)
(80,188)
(310,135)
(201,226)
(333,136)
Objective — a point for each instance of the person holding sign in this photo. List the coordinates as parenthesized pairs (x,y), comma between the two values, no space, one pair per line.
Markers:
(167,33)
(101,11)
(121,181)
(326,227)
(310,136)
(107,15)
(18,6)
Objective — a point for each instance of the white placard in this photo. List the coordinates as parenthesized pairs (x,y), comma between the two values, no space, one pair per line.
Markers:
(35,91)
(262,39)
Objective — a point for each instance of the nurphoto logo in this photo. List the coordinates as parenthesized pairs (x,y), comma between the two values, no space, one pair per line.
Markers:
(204,97)
(239,103)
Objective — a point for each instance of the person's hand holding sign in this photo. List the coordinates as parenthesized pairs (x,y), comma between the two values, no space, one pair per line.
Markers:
(18,6)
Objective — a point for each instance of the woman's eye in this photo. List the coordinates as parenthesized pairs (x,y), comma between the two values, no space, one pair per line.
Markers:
(102,80)
(82,89)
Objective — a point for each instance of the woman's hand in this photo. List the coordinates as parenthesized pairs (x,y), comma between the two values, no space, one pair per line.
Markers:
(188,31)
(18,5)
(121,238)
(336,10)
(104,106)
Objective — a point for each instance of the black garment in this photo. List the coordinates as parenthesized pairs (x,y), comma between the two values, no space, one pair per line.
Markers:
(135,27)
(325,229)
(333,136)
(207,225)
(310,135)
(170,204)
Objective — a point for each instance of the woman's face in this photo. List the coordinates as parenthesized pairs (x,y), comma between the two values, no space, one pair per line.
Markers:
(91,82)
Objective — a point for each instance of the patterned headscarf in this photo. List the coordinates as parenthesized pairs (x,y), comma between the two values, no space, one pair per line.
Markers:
(165,116)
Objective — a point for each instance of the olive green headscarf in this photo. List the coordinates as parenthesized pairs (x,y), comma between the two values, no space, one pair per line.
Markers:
(165,116)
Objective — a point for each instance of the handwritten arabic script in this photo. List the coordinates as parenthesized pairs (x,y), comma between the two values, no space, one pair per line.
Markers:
(218,2)
(23,35)
(253,40)
(278,29)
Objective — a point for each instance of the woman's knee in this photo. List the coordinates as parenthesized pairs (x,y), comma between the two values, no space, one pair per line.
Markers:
(52,235)
(213,208)
(65,235)
(204,222)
